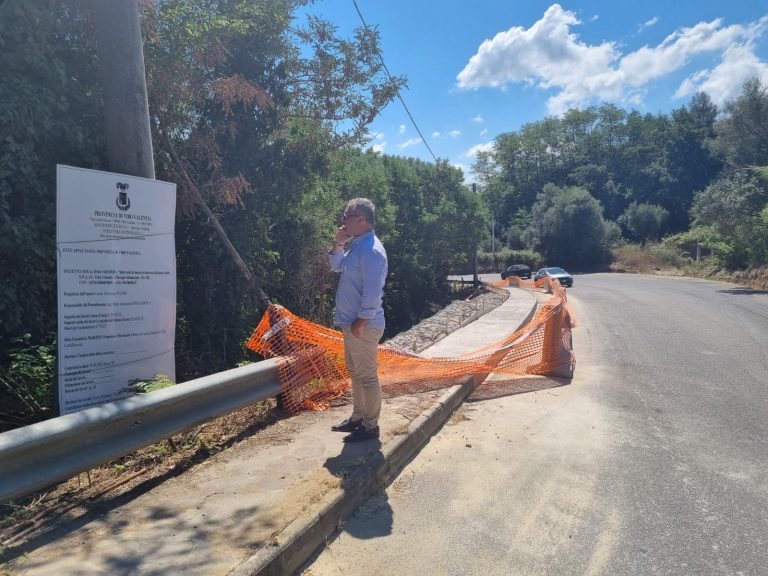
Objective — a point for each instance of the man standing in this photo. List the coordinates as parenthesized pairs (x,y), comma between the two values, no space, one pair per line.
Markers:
(362,261)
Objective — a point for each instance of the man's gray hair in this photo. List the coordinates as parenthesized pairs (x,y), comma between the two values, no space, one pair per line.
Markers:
(364,207)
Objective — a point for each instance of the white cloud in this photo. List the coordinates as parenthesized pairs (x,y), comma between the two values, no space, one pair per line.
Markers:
(478,119)
(725,81)
(377,142)
(646,64)
(484,131)
(647,24)
(549,55)
(380,143)
(401,129)
(451,134)
(409,143)
(472,152)
(463,167)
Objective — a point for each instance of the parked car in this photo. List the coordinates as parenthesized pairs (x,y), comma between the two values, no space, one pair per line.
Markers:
(520,270)
(557,273)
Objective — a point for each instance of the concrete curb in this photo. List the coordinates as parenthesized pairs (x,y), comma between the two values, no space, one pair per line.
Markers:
(530,314)
(300,539)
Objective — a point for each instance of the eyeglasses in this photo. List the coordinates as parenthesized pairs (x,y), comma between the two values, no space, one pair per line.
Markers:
(348,216)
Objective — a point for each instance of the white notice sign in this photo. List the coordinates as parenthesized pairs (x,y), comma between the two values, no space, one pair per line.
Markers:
(117,284)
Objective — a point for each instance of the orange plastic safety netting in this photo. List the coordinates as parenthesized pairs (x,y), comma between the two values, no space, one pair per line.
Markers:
(311,357)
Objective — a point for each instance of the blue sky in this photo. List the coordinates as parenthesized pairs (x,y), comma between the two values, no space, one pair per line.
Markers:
(476,69)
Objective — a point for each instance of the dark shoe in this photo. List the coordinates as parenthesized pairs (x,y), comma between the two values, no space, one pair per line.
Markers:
(362,433)
(348,425)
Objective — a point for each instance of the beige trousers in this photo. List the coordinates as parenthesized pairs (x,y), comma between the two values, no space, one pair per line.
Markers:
(361,358)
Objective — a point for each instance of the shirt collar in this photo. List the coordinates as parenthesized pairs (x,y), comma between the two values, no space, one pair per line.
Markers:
(362,238)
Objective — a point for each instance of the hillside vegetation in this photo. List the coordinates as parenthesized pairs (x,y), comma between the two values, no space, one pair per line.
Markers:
(265,117)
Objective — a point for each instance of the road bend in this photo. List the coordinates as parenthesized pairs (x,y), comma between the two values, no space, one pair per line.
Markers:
(653,460)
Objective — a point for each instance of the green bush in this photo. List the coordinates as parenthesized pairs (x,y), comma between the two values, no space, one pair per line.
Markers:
(668,252)
(705,240)
(568,228)
(144,385)
(27,385)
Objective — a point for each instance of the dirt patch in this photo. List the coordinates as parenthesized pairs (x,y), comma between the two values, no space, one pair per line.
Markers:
(298,500)
(277,434)
(756,278)
(634,259)
(404,481)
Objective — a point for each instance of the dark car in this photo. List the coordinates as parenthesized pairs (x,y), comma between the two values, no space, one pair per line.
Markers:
(519,270)
(556,273)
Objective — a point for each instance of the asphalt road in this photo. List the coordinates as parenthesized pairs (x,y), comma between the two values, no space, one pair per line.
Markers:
(653,460)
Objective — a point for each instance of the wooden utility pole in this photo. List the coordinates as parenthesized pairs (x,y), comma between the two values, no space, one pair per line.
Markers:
(121,60)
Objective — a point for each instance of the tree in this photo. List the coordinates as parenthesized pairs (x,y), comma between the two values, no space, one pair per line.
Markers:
(493,194)
(611,132)
(734,206)
(568,228)
(742,135)
(246,110)
(595,178)
(517,224)
(579,140)
(643,221)
(689,163)
(435,224)
(50,114)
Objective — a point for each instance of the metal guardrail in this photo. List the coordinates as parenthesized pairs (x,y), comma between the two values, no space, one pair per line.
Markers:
(41,454)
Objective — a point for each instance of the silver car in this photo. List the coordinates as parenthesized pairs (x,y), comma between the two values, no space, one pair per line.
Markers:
(556,273)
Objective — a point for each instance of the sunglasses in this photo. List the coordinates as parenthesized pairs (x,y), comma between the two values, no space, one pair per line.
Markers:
(348,216)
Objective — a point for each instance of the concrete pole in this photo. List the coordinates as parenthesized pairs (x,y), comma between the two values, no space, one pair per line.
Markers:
(121,59)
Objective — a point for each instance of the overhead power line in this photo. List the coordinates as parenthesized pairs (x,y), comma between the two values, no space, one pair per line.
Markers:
(399,97)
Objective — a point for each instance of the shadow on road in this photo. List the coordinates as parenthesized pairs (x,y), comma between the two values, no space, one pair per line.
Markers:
(741,291)
(374,518)
(500,385)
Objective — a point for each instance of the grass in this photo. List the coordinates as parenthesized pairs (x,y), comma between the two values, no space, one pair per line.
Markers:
(659,259)
(646,260)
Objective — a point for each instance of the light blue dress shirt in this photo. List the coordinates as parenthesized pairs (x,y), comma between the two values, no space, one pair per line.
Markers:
(361,285)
